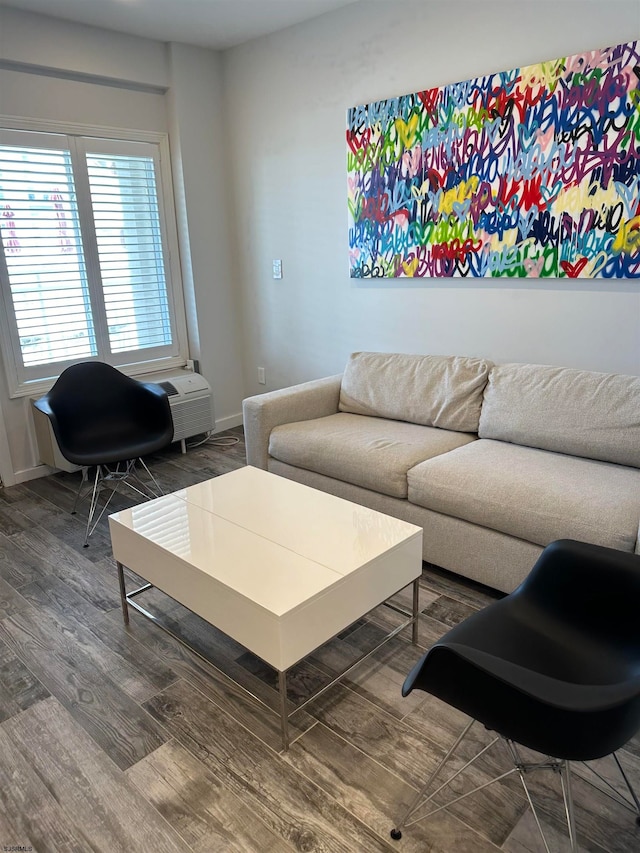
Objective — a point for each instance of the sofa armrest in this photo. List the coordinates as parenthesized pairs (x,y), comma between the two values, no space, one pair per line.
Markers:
(263,412)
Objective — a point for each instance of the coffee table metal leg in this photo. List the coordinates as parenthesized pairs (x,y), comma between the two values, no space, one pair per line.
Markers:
(127,598)
(123,593)
(284,710)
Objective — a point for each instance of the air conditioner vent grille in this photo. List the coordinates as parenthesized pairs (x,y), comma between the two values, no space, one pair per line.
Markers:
(190,400)
(191,417)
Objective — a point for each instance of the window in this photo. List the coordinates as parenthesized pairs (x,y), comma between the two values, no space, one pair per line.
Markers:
(85,267)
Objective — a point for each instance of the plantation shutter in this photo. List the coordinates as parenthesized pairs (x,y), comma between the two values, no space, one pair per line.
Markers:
(84,262)
(39,225)
(126,217)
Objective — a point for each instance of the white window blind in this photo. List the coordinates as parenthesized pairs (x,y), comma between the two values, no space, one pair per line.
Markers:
(85,267)
(127,226)
(40,235)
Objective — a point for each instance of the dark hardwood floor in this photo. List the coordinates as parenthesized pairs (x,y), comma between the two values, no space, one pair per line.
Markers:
(115,739)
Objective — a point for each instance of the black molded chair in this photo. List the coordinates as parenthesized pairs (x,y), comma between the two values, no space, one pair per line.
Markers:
(554,666)
(101,417)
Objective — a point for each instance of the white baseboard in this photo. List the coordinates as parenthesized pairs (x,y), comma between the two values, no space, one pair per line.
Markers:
(33,473)
(8,479)
(228,422)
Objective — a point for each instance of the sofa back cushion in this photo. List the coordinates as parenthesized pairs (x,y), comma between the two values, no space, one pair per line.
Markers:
(432,390)
(595,415)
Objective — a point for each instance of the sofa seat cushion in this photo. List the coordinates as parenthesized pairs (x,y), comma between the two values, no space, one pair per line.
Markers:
(371,452)
(532,494)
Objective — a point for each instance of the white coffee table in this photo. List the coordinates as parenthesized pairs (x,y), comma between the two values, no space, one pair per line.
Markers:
(279,567)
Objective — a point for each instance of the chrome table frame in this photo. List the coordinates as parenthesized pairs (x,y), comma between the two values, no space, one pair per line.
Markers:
(127,600)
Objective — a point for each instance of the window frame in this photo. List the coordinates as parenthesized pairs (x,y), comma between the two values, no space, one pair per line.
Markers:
(19,383)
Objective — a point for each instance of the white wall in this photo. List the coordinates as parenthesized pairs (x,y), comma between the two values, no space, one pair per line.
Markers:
(203,204)
(57,70)
(287,97)
(65,47)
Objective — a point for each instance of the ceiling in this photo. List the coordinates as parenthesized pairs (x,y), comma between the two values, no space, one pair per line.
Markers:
(209,23)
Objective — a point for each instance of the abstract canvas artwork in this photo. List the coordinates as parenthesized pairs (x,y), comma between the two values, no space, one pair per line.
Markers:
(531,172)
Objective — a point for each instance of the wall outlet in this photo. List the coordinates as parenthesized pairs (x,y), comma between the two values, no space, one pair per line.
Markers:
(277,268)
(262,379)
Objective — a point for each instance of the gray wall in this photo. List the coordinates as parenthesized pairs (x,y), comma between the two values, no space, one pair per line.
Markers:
(61,71)
(257,140)
(286,99)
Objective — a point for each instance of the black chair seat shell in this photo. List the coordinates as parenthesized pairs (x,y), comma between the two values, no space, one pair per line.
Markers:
(554,666)
(99,416)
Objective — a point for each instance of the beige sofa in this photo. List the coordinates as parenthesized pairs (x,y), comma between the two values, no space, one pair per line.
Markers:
(493,461)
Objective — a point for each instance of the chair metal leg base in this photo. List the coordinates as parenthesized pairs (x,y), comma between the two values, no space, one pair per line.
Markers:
(124,473)
(420,799)
(560,766)
(634,803)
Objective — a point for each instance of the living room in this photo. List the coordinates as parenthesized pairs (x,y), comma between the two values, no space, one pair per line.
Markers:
(258,191)
(257,143)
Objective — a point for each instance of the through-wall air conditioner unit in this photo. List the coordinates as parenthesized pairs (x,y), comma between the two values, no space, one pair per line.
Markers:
(191,408)
(190,400)
(48,450)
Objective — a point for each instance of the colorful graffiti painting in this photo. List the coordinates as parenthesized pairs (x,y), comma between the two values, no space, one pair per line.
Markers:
(530,172)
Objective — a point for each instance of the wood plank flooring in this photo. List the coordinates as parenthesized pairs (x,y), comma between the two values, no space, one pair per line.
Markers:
(115,739)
